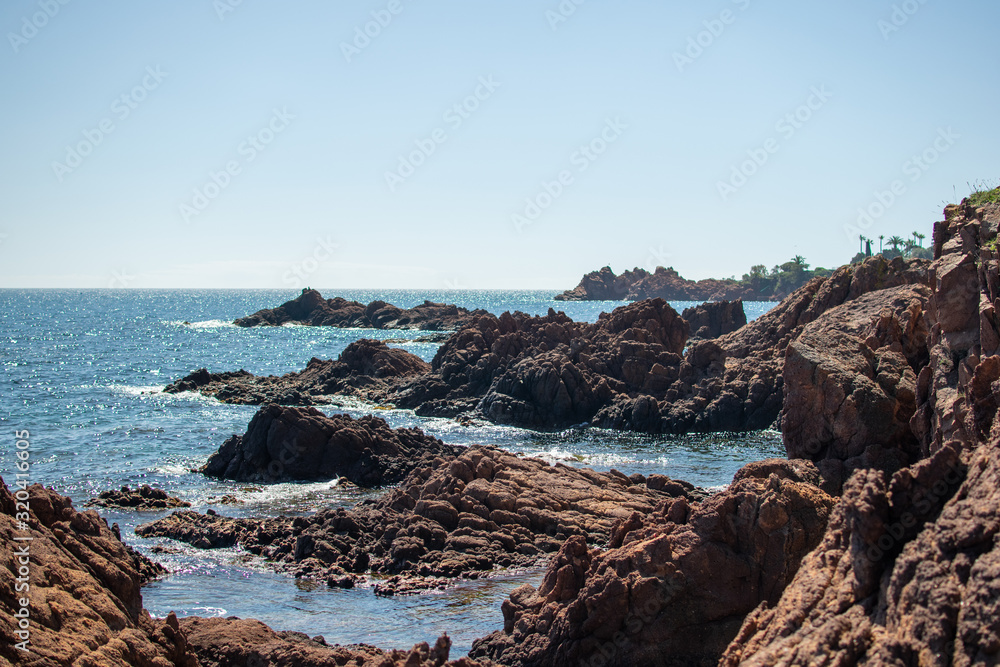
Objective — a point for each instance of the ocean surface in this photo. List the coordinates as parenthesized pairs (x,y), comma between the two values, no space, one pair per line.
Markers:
(84,370)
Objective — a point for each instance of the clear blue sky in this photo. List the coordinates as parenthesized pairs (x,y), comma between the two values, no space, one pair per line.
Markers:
(117,215)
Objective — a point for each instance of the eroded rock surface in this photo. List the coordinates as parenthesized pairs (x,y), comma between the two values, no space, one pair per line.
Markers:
(303,444)
(310,308)
(460,518)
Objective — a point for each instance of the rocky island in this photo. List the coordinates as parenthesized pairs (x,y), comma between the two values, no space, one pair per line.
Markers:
(311,309)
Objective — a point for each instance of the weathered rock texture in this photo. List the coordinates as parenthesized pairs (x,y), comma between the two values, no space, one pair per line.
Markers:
(715,318)
(365,369)
(232,642)
(83,590)
(460,518)
(303,444)
(143,498)
(667,284)
(907,571)
(674,584)
(310,308)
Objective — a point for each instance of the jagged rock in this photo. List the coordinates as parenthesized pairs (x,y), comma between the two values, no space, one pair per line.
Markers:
(365,369)
(303,444)
(674,584)
(143,498)
(548,372)
(233,642)
(907,571)
(715,318)
(310,308)
(462,517)
(83,590)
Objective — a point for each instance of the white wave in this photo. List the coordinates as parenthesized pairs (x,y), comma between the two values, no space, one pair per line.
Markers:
(205,324)
(133,390)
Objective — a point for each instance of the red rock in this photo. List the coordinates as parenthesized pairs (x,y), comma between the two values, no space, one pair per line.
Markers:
(674,584)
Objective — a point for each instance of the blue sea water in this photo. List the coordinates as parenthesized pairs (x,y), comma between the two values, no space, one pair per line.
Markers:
(84,370)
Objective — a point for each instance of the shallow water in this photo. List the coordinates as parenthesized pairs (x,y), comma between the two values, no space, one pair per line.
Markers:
(83,372)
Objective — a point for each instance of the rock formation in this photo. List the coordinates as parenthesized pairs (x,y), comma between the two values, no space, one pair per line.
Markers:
(310,308)
(715,318)
(674,584)
(144,498)
(461,517)
(626,370)
(82,587)
(665,284)
(907,571)
(80,583)
(365,369)
(227,642)
(303,444)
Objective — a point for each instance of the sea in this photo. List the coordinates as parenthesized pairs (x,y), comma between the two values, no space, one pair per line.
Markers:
(84,372)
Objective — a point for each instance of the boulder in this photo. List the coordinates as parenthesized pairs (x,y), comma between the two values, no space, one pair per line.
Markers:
(715,318)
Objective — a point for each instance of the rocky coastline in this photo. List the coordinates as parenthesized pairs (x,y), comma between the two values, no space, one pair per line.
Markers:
(875,542)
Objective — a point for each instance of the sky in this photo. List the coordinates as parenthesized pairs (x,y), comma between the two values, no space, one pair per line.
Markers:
(482,145)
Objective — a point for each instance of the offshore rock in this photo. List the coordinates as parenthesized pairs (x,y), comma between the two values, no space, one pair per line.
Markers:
(310,308)
(144,498)
(303,444)
(365,369)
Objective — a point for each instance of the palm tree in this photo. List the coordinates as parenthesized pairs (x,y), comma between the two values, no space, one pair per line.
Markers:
(880,237)
(920,239)
(861,239)
(895,242)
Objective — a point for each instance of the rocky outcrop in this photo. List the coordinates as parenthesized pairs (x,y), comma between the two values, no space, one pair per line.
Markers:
(907,571)
(233,642)
(548,372)
(463,517)
(604,285)
(144,498)
(310,308)
(673,585)
(365,369)
(81,585)
(850,383)
(715,318)
(303,444)
(626,371)
(665,284)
